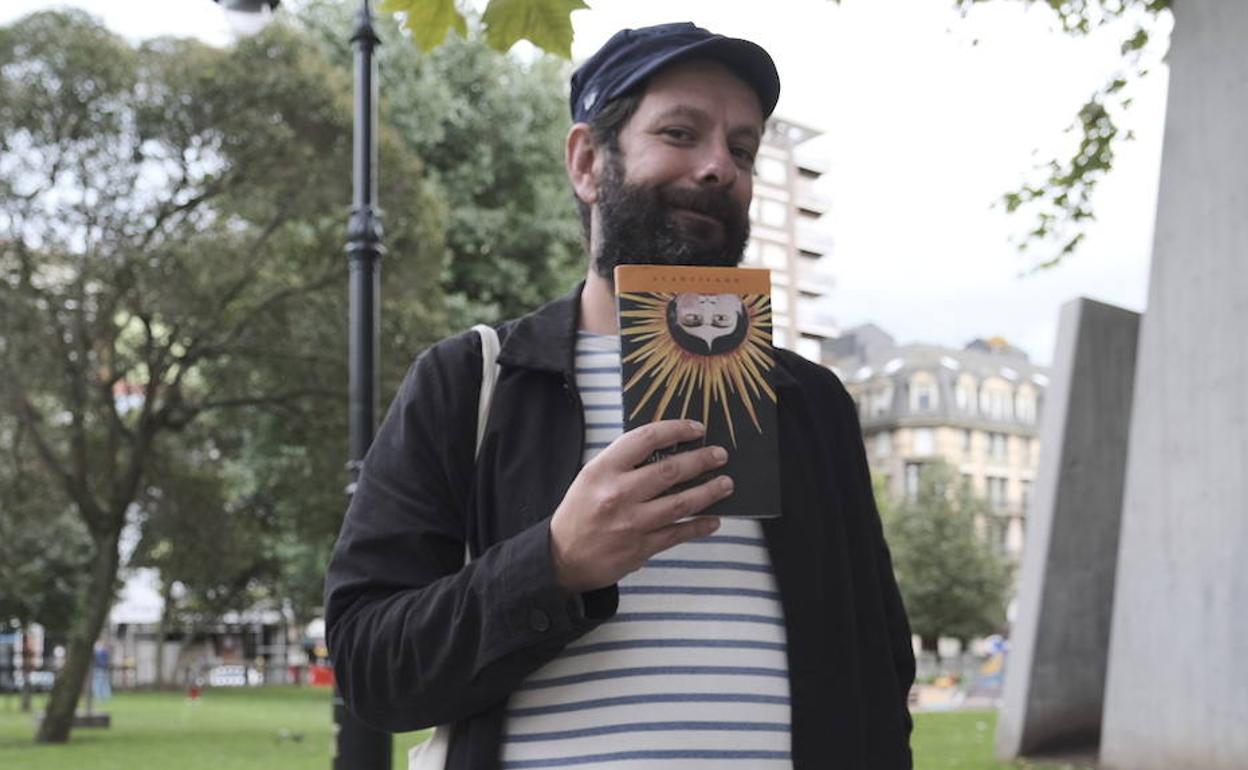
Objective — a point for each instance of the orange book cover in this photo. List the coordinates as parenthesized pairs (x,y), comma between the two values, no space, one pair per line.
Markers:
(695,343)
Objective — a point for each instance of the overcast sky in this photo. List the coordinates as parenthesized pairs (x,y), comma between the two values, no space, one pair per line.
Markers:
(928,117)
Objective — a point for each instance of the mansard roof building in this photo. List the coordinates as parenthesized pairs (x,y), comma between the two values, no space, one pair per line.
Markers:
(977,408)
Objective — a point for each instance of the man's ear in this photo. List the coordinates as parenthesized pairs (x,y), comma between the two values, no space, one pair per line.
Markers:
(580,156)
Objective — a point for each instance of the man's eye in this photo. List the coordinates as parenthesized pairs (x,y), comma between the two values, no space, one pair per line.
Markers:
(691,319)
(743,154)
(721,320)
(679,134)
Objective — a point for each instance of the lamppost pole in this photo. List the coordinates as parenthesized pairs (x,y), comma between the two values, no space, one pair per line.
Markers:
(358,746)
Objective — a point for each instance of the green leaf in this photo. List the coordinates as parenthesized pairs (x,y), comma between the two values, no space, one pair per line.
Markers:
(1136,41)
(429,21)
(547,24)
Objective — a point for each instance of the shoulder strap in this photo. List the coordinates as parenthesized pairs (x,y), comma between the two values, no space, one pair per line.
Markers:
(489,376)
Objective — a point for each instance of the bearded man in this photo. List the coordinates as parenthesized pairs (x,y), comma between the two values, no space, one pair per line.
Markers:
(598,623)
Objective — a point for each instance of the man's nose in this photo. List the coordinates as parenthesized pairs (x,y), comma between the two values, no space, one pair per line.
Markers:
(717,167)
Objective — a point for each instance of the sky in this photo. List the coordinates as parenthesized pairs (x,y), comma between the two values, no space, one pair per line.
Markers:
(928,116)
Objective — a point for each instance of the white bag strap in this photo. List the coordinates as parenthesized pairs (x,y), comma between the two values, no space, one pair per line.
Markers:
(489,376)
(433,753)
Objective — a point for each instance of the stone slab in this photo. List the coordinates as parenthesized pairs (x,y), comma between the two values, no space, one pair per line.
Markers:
(1177,687)
(1055,670)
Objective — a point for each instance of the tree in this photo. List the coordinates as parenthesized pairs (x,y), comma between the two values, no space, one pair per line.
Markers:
(953,582)
(490,128)
(170,250)
(1059,196)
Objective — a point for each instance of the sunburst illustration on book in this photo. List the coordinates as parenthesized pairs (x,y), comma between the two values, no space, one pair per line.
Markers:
(695,343)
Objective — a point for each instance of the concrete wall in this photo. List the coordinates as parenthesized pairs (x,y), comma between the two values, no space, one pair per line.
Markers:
(1055,672)
(1177,689)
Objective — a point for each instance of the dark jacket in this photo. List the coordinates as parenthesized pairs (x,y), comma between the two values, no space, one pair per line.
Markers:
(418,640)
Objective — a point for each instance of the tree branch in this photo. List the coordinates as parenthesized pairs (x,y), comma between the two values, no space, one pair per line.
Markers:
(75,488)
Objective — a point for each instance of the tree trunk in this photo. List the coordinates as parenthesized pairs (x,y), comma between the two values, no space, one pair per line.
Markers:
(27,690)
(931,644)
(93,612)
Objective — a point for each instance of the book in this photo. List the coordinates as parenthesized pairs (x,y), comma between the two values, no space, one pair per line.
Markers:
(695,343)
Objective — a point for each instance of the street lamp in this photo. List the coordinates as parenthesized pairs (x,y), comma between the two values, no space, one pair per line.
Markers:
(357,746)
(247,17)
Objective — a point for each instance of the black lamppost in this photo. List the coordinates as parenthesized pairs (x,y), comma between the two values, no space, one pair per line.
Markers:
(356,745)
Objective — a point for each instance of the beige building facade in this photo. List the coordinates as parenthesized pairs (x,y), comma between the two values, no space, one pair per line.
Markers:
(977,408)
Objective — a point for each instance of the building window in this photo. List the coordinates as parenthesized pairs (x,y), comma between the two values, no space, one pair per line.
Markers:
(968,438)
(771,170)
(780,301)
(924,442)
(995,400)
(964,394)
(997,446)
(772,213)
(884,444)
(1025,404)
(912,481)
(996,493)
(881,399)
(1025,494)
(773,255)
(922,393)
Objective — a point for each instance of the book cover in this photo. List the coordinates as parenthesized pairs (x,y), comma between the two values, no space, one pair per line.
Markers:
(695,343)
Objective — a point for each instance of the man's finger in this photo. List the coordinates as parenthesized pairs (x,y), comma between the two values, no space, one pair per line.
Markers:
(652,480)
(664,511)
(674,534)
(634,447)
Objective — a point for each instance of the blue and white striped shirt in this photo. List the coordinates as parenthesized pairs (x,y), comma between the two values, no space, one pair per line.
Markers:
(691,672)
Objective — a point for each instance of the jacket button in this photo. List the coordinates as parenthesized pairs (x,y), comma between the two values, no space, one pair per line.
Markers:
(539,621)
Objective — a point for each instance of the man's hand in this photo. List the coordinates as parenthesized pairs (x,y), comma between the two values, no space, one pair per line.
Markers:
(615,516)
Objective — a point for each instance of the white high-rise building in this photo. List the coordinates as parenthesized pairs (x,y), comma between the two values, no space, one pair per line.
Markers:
(789,239)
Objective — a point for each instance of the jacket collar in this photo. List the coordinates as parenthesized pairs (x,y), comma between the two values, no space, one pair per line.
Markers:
(546,340)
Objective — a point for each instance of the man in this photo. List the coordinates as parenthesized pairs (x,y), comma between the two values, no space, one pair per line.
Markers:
(597,624)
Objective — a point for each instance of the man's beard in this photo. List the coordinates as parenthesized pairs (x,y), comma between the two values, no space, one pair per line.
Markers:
(637,227)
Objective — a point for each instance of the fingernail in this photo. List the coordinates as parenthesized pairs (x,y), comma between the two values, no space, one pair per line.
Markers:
(697,427)
(710,526)
(725,484)
(720,454)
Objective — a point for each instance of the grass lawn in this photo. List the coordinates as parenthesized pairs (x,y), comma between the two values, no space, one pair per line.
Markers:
(283,728)
(275,728)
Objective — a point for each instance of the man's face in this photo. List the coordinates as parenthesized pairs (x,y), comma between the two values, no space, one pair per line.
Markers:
(678,192)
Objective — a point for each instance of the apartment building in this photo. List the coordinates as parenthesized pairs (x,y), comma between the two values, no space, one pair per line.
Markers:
(978,408)
(787,237)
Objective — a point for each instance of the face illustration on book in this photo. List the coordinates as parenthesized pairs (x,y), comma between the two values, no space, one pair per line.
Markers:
(707,324)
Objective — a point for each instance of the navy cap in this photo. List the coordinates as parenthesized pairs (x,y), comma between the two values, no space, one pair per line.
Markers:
(632,55)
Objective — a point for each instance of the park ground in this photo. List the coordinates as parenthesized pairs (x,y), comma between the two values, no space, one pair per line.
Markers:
(284,728)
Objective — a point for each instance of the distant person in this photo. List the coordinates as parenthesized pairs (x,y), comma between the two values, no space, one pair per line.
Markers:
(101,684)
(595,622)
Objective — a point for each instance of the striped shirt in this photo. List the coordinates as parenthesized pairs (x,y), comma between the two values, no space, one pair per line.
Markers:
(691,672)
